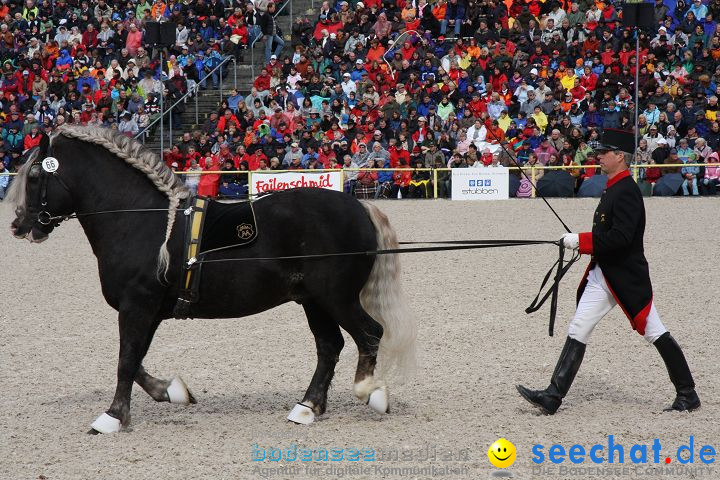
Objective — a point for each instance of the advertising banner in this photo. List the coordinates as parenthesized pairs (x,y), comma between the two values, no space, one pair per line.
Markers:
(489,183)
(269,181)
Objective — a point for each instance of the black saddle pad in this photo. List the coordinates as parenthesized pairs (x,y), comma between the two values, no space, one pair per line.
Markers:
(228,225)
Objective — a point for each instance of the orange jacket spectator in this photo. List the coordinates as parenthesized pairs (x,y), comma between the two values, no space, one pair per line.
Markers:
(439,10)
(158,9)
(375,53)
(402,178)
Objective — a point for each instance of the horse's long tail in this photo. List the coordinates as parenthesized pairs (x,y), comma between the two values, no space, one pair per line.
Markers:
(383,299)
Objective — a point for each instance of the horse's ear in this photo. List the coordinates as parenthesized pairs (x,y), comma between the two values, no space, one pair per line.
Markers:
(44,145)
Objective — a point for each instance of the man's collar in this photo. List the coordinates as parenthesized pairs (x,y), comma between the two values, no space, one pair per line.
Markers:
(617,178)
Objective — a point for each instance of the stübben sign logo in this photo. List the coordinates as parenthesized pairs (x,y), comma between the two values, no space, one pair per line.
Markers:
(480,187)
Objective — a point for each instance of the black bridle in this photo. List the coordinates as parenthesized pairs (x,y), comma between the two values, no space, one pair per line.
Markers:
(39,213)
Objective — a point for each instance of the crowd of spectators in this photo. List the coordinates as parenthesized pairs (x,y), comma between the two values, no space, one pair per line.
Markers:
(388,85)
(91,63)
(448,83)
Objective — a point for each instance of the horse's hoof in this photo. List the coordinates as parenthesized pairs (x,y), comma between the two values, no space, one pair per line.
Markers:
(301,414)
(105,424)
(178,392)
(378,400)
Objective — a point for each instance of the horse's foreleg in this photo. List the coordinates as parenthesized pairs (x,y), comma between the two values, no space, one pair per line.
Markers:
(173,391)
(329,342)
(136,330)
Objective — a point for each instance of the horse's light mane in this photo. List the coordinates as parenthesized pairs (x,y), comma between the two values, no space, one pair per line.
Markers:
(16,193)
(133,153)
(136,155)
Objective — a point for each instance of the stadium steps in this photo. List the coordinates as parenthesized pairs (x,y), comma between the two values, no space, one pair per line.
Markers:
(209,100)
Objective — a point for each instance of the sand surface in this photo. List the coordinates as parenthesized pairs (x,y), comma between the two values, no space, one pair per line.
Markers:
(58,354)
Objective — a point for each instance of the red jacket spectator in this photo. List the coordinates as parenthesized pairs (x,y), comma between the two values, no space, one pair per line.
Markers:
(225,121)
(262,82)
(589,81)
(396,154)
(209,183)
(31,141)
(254,159)
(89,37)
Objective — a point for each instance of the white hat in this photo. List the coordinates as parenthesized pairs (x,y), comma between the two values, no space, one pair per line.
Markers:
(360,5)
(662,141)
(273,57)
(422,119)
(358,62)
(346,74)
(534,71)
(333,35)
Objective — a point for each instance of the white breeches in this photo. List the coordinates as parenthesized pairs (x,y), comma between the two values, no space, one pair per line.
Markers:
(596,302)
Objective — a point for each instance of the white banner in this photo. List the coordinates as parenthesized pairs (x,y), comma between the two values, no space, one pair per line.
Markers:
(269,181)
(488,183)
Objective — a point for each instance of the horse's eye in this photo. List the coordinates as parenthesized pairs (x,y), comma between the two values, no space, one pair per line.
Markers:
(34,171)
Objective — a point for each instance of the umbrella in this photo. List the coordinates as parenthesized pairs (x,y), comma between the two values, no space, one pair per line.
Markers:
(593,186)
(514,185)
(556,183)
(668,185)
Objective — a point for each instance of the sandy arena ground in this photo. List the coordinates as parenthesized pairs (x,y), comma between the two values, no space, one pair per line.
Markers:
(58,351)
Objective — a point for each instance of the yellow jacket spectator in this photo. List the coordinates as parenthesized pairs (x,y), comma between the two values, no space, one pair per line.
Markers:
(540,118)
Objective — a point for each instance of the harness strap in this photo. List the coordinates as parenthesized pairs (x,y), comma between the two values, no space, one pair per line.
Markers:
(190,277)
(553,290)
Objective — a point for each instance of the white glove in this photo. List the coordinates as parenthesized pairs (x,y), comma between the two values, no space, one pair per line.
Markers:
(571,241)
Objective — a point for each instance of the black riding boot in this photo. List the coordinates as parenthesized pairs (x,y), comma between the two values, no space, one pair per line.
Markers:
(549,400)
(679,372)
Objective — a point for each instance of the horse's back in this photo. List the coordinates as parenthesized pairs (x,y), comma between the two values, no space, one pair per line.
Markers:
(295,223)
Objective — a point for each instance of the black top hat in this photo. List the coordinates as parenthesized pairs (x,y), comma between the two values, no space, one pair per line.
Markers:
(613,140)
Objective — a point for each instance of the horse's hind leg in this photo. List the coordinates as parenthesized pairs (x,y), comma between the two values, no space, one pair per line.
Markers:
(366,332)
(173,391)
(329,342)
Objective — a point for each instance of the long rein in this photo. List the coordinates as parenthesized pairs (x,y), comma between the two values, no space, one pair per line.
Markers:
(560,267)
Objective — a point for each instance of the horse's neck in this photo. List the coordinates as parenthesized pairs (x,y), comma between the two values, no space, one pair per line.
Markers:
(114,189)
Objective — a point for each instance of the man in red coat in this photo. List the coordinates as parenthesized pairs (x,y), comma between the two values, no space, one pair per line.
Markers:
(618,274)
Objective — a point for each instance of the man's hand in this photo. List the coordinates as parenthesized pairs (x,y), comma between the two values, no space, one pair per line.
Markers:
(571,241)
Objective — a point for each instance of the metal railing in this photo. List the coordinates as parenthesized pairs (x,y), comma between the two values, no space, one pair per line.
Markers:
(251,47)
(635,168)
(141,135)
(434,171)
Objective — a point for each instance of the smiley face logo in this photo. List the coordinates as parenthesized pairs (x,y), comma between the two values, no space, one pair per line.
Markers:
(502,453)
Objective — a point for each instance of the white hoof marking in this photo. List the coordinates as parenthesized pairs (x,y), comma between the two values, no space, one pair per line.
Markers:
(378,400)
(106,424)
(301,414)
(178,392)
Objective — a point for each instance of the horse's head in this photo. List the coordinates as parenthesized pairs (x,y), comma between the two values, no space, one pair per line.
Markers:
(40,196)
